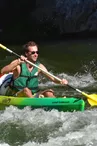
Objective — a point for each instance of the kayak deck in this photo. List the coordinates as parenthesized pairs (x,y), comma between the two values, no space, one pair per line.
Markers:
(61,104)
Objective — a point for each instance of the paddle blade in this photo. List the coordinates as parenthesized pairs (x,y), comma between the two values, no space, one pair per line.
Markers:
(92,103)
(3,47)
(92,98)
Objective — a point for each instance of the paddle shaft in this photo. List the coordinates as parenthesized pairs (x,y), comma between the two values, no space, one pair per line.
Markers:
(75,89)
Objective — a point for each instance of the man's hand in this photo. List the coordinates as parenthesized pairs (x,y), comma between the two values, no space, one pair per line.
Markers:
(22,59)
(64,82)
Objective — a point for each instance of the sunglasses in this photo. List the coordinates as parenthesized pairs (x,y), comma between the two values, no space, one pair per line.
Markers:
(33,52)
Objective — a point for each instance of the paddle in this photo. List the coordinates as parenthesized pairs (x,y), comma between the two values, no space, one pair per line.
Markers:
(92,98)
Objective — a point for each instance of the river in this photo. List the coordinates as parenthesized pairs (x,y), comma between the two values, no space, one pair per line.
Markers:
(74,60)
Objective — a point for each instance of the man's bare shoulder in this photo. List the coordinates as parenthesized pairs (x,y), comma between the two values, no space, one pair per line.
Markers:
(42,67)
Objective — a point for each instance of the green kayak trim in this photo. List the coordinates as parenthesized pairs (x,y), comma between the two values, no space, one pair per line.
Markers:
(60,103)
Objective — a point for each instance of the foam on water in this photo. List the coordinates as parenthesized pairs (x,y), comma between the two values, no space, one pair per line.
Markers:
(47,128)
(77,80)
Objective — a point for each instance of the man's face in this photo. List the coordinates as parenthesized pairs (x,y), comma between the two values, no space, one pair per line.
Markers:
(32,53)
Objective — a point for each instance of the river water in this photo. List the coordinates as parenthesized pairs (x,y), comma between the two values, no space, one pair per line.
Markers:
(74,60)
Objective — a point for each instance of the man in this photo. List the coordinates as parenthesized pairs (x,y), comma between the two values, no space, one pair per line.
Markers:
(25,76)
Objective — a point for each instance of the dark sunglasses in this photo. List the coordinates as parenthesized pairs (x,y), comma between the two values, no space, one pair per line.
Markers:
(33,52)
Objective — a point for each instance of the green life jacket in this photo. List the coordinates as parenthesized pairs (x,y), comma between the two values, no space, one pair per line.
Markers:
(27,79)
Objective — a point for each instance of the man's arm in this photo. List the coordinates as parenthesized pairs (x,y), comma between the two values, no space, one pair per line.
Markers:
(10,67)
(13,65)
(63,81)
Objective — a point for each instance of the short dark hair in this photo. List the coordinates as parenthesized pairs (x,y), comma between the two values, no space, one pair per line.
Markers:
(30,43)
